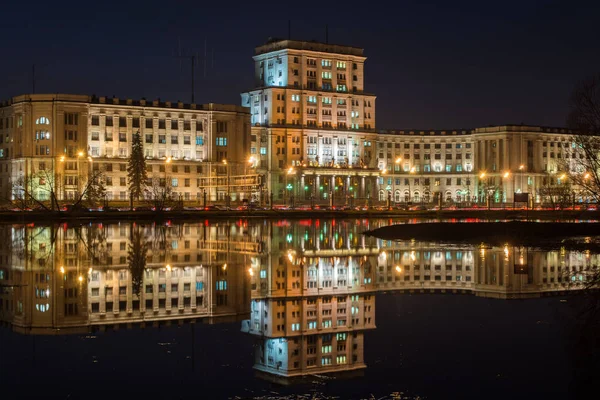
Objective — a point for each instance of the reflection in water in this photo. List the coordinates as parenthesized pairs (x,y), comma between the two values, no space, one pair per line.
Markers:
(306,289)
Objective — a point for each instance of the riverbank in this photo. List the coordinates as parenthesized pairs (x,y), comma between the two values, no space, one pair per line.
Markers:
(526,233)
(521,215)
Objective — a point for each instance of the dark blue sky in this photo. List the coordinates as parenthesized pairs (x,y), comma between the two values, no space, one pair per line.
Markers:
(447,65)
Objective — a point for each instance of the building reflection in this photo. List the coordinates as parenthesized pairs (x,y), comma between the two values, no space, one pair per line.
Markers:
(305,289)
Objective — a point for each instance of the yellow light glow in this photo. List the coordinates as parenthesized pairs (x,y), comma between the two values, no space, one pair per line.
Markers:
(62,270)
(251,271)
(506,174)
(62,158)
(90,271)
(398,160)
(290,257)
(586,176)
(80,278)
(168,160)
(412,255)
(398,269)
(482,175)
(521,167)
(168,267)
(80,154)
(412,170)
(505,251)
(384,255)
(224,267)
(563,176)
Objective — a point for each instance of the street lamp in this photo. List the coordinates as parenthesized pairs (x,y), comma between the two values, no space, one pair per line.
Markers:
(506,175)
(485,188)
(289,188)
(79,155)
(410,171)
(227,199)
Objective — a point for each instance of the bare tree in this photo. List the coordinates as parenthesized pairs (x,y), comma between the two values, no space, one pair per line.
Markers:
(583,158)
(556,191)
(159,193)
(43,189)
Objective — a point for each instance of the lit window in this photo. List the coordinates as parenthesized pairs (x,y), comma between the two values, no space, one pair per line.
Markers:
(42,121)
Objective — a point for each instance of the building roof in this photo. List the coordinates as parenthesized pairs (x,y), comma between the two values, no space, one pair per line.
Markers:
(467,131)
(275,44)
(115,101)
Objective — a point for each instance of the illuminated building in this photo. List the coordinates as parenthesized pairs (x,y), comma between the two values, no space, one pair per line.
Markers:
(313,128)
(313,125)
(196,148)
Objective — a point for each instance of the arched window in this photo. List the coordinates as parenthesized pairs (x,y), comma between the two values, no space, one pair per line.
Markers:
(448,195)
(426,197)
(416,197)
(42,121)
(381,195)
(458,196)
(406,196)
(397,196)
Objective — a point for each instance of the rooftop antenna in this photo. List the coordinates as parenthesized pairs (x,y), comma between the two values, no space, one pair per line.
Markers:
(33,79)
(193,62)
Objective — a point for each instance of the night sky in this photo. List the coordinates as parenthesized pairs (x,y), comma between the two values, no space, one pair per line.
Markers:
(458,64)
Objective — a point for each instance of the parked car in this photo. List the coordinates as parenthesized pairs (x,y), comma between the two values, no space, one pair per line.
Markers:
(78,207)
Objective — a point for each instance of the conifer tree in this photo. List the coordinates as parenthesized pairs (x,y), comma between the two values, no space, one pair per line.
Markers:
(136,168)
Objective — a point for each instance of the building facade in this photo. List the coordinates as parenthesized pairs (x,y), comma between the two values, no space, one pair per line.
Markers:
(313,125)
(306,133)
(314,132)
(60,139)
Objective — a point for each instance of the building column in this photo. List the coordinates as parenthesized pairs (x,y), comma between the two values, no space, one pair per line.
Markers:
(362,187)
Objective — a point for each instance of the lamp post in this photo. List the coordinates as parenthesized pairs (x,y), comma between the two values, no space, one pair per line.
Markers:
(227,198)
(290,171)
(62,161)
(410,172)
(252,163)
(167,162)
(396,169)
(79,155)
(505,176)
(485,189)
